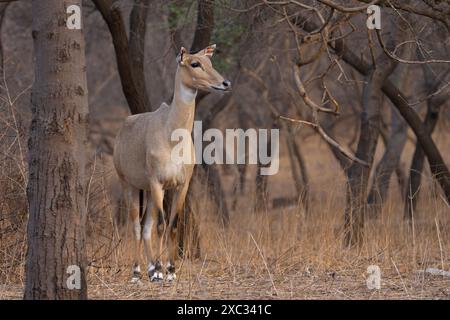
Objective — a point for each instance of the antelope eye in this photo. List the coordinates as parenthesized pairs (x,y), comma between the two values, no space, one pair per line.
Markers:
(195,64)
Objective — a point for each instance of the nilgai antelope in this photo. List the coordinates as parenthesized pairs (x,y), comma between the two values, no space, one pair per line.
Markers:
(142,157)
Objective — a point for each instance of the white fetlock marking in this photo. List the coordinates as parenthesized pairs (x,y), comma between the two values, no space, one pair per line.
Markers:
(171,276)
(137,269)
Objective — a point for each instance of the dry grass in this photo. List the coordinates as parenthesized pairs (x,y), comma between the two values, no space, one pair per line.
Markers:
(277,254)
(282,256)
(313,267)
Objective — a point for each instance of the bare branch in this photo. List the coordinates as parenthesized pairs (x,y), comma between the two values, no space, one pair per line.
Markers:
(341,8)
(327,138)
(393,55)
(315,108)
(314,125)
(309,102)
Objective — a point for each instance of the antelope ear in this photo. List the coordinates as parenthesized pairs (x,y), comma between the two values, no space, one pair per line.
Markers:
(209,51)
(180,56)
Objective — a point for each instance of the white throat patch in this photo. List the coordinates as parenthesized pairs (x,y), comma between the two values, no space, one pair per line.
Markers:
(187,95)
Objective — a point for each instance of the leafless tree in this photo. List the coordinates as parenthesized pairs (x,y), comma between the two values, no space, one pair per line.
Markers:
(330,39)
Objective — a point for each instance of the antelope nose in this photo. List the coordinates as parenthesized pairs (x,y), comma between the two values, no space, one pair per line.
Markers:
(226,83)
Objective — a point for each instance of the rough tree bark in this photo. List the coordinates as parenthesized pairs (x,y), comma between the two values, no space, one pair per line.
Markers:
(55,191)
(3,7)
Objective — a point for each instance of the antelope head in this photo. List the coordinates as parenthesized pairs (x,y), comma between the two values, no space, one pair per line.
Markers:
(197,72)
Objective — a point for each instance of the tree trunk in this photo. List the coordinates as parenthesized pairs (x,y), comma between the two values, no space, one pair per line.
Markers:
(261,195)
(393,150)
(394,145)
(56,192)
(357,174)
(418,160)
(205,25)
(417,164)
(388,163)
(437,165)
(211,177)
(298,168)
(401,179)
(3,7)
(138,28)
(343,161)
(130,68)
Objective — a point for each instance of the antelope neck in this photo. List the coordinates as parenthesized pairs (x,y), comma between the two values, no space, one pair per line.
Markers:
(182,108)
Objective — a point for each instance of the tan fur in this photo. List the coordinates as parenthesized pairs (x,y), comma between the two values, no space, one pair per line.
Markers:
(142,152)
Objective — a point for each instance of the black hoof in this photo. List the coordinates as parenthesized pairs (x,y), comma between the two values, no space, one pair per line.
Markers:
(137,276)
(155,272)
(171,277)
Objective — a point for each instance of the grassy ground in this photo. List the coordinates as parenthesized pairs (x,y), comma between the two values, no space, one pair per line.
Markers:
(284,255)
(275,254)
(215,283)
